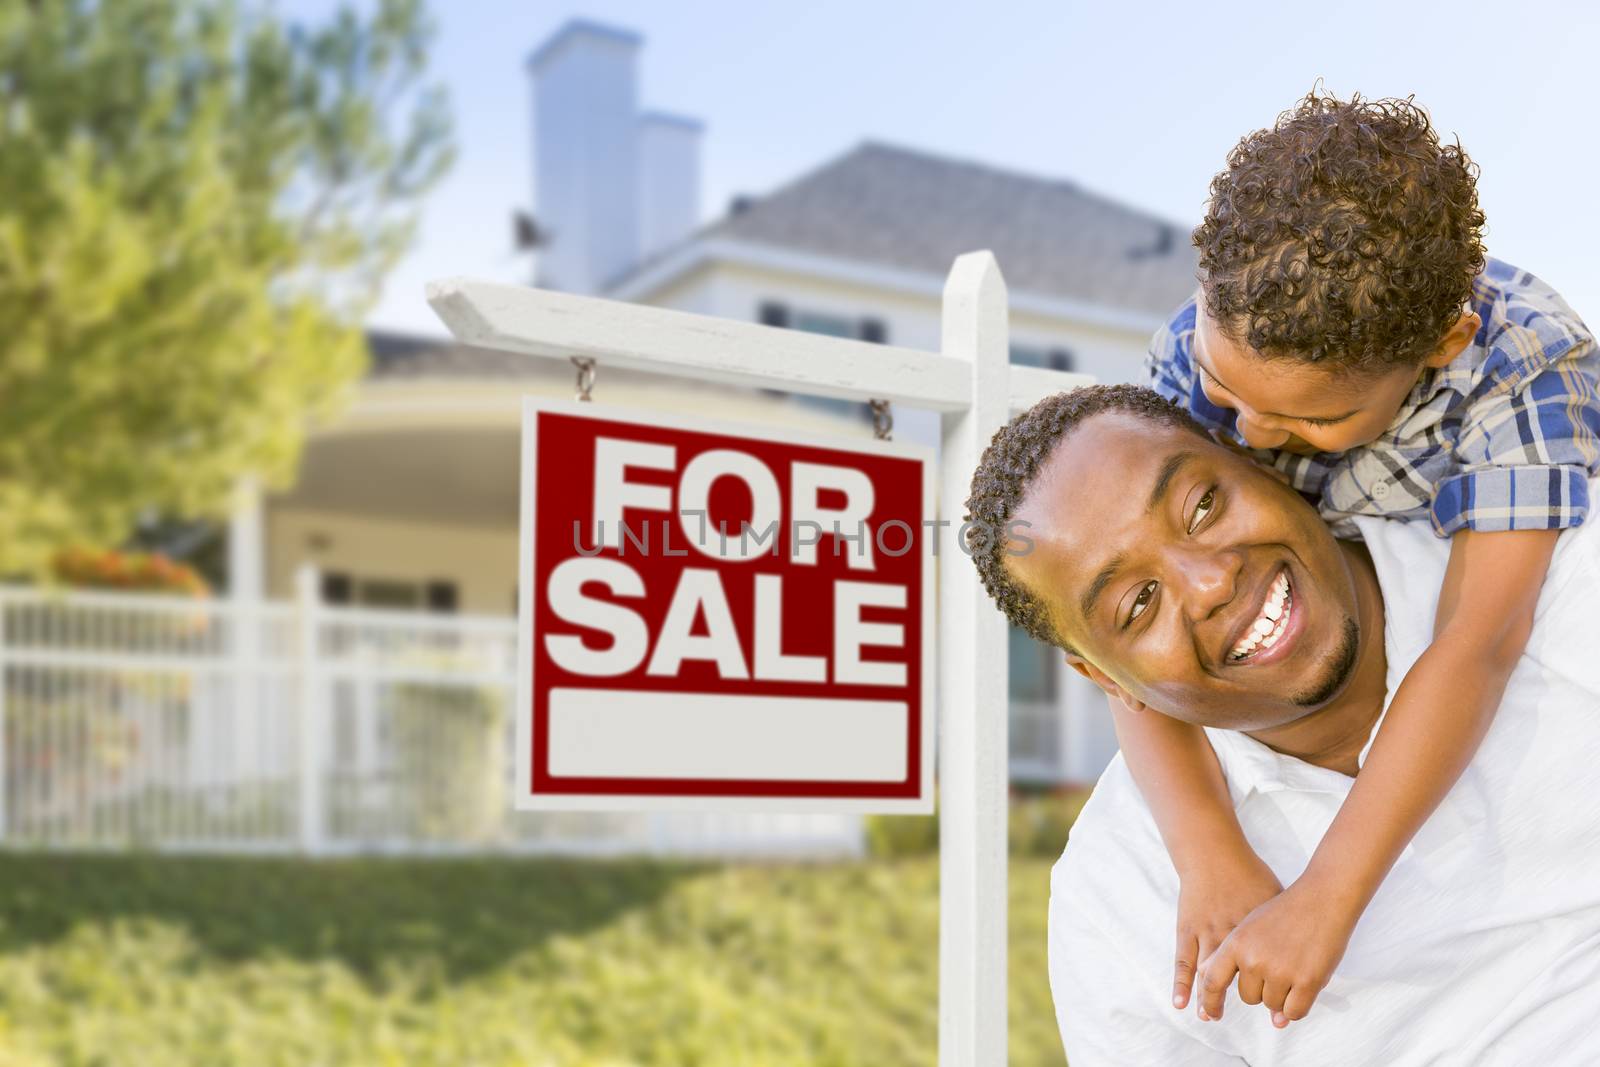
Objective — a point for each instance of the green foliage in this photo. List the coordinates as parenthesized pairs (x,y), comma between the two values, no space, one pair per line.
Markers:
(899,836)
(1037,825)
(449,751)
(498,963)
(448,775)
(197,202)
(1040,821)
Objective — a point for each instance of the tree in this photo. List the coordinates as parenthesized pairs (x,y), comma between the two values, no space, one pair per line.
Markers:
(198,202)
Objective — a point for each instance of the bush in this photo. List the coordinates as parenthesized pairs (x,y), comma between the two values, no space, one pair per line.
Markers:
(210,962)
(450,762)
(895,836)
(1038,824)
(1041,821)
(149,572)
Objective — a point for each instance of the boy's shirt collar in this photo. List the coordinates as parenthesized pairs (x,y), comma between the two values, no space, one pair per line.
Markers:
(1524,327)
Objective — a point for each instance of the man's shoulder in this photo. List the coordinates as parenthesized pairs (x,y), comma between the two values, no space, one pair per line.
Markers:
(1113,899)
(1113,837)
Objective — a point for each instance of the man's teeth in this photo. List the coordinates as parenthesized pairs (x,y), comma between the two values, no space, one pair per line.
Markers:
(1269,625)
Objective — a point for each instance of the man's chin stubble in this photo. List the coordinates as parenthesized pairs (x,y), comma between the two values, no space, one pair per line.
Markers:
(1336,674)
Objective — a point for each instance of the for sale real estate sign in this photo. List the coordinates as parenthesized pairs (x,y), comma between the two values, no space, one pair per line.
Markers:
(720,616)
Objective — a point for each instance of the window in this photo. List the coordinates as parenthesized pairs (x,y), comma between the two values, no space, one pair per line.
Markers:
(393,593)
(335,588)
(441,597)
(1039,356)
(1032,668)
(777,313)
(828,325)
(382,593)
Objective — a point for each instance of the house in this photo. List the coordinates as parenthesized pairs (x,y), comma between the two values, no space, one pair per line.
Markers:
(410,500)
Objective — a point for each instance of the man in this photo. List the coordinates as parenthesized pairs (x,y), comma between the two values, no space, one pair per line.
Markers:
(1150,553)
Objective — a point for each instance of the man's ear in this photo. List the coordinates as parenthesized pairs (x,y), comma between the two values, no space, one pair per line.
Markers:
(1107,685)
(1459,337)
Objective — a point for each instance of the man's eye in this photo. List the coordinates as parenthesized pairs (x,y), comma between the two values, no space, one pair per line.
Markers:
(1202,510)
(1140,602)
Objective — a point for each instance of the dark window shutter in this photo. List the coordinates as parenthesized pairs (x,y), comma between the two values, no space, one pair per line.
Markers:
(1062,359)
(875,330)
(772,313)
(336,588)
(441,596)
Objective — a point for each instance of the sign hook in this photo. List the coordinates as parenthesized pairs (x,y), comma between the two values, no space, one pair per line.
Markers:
(882,420)
(585,367)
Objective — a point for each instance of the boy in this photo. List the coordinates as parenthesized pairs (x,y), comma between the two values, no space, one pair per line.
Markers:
(1351,333)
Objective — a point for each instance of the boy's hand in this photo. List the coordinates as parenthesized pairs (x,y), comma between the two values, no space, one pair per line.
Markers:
(1284,952)
(1211,902)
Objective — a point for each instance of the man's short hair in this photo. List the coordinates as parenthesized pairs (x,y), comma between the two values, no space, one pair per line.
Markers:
(1007,471)
(1346,235)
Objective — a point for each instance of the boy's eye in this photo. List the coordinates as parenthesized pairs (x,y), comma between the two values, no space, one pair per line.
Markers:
(1202,510)
(1141,602)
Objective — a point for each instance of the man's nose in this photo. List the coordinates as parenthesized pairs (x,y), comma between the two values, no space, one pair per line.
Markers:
(1258,432)
(1207,577)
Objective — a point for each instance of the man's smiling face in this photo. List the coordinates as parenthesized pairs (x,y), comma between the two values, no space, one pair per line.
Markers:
(1202,586)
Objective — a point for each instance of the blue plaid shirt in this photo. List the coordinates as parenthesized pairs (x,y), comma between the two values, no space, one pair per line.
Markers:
(1505,437)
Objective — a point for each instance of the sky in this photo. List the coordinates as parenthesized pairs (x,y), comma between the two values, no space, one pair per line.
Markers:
(1136,100)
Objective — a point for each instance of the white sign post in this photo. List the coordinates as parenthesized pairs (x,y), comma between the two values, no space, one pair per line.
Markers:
(974,388)
(973,680)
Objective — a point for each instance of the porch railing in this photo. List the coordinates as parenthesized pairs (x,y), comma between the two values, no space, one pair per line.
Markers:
(132,720)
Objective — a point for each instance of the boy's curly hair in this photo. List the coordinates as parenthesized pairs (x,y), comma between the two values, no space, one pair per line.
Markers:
(1346,234)
(1008,469)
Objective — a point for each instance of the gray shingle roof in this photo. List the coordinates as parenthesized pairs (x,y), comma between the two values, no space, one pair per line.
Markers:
(400,355)
(895,207)
(898,207)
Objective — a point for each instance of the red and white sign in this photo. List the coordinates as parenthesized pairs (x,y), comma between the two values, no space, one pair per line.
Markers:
(718,616)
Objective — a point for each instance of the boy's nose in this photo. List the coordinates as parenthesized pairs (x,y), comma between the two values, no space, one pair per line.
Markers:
(1259,434)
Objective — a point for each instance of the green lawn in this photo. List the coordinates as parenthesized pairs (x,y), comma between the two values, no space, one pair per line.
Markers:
(214,962)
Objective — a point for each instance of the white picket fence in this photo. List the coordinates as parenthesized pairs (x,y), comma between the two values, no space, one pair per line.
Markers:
(139,721)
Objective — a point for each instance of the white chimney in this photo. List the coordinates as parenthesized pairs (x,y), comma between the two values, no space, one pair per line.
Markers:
(669,180)
(586,154)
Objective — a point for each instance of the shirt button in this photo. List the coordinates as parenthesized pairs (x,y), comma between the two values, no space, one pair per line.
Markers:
(1380,490)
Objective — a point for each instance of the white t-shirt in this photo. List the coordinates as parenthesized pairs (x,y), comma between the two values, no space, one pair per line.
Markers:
(1481,947)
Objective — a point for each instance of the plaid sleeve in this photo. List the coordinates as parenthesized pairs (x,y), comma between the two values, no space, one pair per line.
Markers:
(1170,371)
(1305,473)
(1167,366)
(1527,454)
